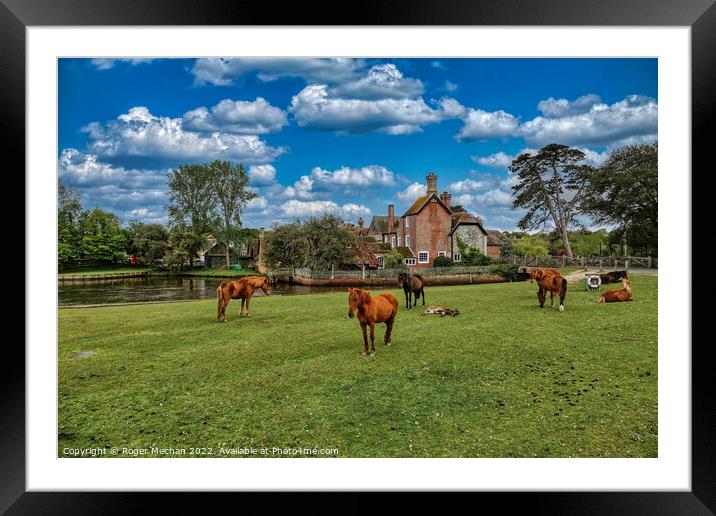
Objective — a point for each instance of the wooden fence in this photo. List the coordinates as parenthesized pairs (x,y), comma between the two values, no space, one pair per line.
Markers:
(601,262)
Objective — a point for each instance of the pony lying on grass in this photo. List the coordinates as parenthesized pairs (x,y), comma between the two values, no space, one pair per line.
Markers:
(617,296)
(371,310)
(242,289)
(552,281)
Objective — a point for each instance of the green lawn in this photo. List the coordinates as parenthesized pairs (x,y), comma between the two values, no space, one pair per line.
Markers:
(503,379)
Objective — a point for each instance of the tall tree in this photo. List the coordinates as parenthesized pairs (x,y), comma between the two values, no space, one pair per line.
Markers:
(551,185)
(329,242)
(286,246)
(191,199)
(151,242)
(624,192)
(69,217)
(229,183)
(103,238)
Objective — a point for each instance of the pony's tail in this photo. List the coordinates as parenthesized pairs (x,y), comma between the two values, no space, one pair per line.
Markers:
(562,293)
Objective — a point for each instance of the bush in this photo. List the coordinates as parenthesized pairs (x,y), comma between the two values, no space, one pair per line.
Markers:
(393,260)
(509,272)
(443,261)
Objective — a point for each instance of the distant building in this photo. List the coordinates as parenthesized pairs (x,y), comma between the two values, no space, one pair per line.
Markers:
(429,228)
(494,243)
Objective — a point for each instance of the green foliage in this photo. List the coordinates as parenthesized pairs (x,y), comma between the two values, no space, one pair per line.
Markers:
(531,245)
(443,261)
(69,231)
(192,202)
(585,243)
(624,192)
(183,248)
(103,238)
(151,242)
(471,256)
(394,260)
(285,246)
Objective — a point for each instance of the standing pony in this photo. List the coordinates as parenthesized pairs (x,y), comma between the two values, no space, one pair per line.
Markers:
(555,283)
(538,273)
(617,296)
(371,310)
(412,283)
(242,289)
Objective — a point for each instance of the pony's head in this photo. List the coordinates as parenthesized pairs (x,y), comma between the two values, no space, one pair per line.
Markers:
(402,277)
(536,274)
(356,298)
(626,284)
(263,284)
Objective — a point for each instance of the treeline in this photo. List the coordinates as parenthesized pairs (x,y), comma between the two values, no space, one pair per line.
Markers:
(204,200)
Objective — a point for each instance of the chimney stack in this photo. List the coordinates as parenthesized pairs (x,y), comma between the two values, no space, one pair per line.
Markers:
(445,198)
(432,183)
(360,222)
(391,218)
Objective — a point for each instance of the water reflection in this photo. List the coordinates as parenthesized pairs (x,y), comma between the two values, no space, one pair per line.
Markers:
(157,288)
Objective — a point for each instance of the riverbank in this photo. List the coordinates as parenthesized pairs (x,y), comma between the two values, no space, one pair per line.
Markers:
(128,272)
(503,379)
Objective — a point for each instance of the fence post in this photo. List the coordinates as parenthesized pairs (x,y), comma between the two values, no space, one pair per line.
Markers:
(564,259)
(648,263)
(584,265)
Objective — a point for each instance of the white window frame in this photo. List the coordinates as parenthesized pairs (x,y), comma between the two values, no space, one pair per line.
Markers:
(410,261)
(427,259)
(442,253)
(407,240)
(381,264)
(392,241)
(407,222)
(456,258)
(398,241)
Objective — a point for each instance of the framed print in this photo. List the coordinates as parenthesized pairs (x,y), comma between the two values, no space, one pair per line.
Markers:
(240,205)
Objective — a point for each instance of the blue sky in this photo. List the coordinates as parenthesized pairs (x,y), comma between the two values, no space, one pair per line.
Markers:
(347,136)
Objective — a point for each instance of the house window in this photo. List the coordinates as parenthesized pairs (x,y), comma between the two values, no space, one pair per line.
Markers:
(407,222)
(385,238)
(423,257)
(398,241)
(456,258)
(441,253)
(410,261)
(380,262)
(393,241)
(407,240)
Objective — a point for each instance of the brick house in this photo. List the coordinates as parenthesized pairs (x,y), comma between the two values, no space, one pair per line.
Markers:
(494,243)
(428,228)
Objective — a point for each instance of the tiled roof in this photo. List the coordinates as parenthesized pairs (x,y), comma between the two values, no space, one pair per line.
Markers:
(379,224)
(415,208)
(494,237)
(405,252)
(462,217)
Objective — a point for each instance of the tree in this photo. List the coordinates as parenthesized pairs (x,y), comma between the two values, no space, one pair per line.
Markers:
(624,192)
(329,242)
(285,246)
(530,245)
(471,255)
(458,208)
(551,185)
(151,242)
(229,183)
(393,260)
(191,199)
(443,261)
(102,236)
(184,245)
(69,217)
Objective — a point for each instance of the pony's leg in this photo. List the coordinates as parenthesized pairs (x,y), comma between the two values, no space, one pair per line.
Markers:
(243,300)
(248,300)
(422,291)
(372,339)
(224,306)
(365,339)
(388,331)
(551,298)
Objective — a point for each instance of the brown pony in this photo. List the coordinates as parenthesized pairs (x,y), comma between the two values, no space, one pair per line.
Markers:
(242,289)
(538,273)
(414,284)
(555,283)
(371,310)
(617,296)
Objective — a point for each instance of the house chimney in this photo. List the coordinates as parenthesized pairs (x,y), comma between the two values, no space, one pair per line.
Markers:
(391,218)
(432,183)
(361,222)
(445,198)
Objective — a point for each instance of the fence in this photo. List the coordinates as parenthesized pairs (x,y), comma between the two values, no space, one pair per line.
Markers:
(602,262)
(377,273)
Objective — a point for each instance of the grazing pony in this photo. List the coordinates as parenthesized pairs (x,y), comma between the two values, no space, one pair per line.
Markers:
(242,289)
(371,310)
(617,296)
(414,284)
(536,273)
(555,283)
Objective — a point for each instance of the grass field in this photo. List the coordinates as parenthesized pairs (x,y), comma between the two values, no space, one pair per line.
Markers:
(503,379)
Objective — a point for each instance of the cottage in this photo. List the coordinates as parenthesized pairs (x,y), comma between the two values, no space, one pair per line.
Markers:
(494,243)
(428,228)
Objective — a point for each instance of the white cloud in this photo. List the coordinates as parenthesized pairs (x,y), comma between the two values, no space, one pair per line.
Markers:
(411,192)
(496,160)
(223,71)
(140,133)
(633,117)
(237,116)
(466,185)
(381,81)
(315,108)
(484,125)
(369,176)
(300,209)
(107,63)
(262,175)
(558,108)
(450,86)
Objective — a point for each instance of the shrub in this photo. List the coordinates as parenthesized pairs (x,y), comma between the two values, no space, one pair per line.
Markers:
(393,260)
(443,261)
(509,272)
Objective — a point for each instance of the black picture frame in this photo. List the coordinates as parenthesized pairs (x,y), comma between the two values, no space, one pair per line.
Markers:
(700,15)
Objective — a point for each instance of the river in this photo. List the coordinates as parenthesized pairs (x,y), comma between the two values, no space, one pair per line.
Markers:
(161,288)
